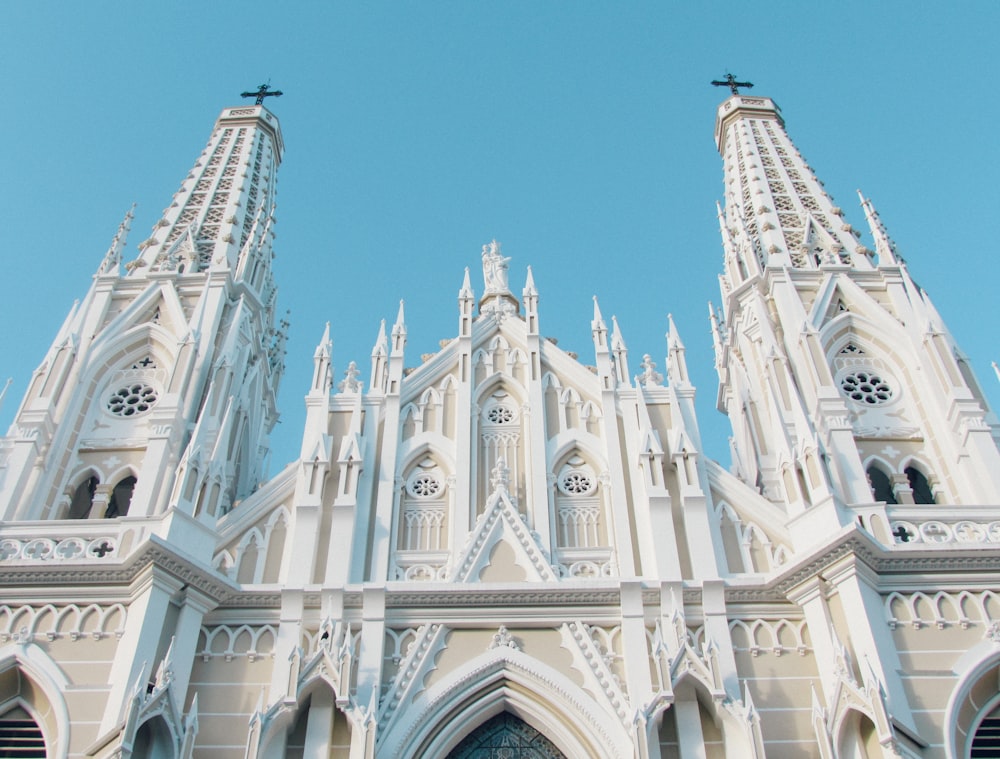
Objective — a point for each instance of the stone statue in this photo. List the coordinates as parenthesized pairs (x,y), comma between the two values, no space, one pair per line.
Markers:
(495,269)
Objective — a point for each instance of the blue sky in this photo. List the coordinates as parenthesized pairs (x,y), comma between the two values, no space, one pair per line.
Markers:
(578,134)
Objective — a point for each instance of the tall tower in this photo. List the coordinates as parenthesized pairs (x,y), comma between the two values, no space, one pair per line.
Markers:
(842,382)
(159,390)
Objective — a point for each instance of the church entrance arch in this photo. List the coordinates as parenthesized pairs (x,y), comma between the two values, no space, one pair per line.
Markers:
(505,736)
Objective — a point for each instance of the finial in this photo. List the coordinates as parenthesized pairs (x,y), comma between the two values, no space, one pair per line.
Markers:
(529,284)
(617,341)
(261,93)
(466,291)
(673,336)
(113,257)
(350,383)
(731,83)
(598,316)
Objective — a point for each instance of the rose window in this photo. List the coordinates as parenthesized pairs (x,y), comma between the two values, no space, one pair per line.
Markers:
(499,415)
(866,387)
(131,400)
(576,483)
(425,486)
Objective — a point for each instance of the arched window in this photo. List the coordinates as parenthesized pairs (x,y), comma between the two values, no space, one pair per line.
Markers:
(20,735)
(506,735)
(121,498)
(919,485)
(986,741)
(881,485)
(83,498)
(153,740)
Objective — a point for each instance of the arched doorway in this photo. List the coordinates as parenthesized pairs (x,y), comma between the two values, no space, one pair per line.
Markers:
(505,737)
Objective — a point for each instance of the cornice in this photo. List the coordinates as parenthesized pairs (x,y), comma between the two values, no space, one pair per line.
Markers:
(896,568)
(68,576)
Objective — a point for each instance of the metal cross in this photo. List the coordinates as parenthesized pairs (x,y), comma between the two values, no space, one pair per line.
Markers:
(261,93)
(731,83)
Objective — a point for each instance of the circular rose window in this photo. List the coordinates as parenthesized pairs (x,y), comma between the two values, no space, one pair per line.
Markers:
(576,482)
(132,400)
(866,387)
(500,415)
(425,486)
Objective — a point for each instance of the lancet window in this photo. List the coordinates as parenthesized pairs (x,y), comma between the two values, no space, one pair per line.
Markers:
(422,523)
(506,735)
(83,498)
(500,436)
(121,498)
(20,735)
(919,484)
(881,485)
(578,506)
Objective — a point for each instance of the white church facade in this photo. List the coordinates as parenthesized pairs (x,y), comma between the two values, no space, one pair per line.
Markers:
(503,552)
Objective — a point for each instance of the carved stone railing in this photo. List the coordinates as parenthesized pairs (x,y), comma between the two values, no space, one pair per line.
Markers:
(78,540)
(902,525)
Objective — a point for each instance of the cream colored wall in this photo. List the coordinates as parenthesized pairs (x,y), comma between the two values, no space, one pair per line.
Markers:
(228,692)
(83,642)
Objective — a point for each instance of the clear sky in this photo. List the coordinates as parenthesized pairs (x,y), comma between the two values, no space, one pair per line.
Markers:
(579,134)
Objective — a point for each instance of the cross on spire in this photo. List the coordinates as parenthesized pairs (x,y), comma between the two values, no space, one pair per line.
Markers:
(261,93)
(732,84)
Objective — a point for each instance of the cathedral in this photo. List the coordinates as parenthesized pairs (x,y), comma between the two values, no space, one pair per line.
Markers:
(499,550)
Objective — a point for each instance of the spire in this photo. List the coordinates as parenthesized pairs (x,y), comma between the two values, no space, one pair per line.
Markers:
(399,331)
(466,291)
(113,258)
(530,295)
(466,299)
(380,354)
(619,353)
(884,247)
(322,370)
(677,371)
(231,186)
(773,189)
(599,329)
(529,284)
(716,334)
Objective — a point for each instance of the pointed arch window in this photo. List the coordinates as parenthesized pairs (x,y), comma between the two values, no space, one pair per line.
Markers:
(986,741)
(20,735)
(506,736)
(423,518)
(83,498)
(920,486)
(121,498)
(579,507)
(881,485)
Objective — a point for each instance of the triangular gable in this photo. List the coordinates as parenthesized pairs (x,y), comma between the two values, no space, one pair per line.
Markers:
(156,307)
(501,523)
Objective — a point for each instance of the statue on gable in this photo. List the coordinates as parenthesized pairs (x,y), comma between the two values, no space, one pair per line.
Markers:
(495,269)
